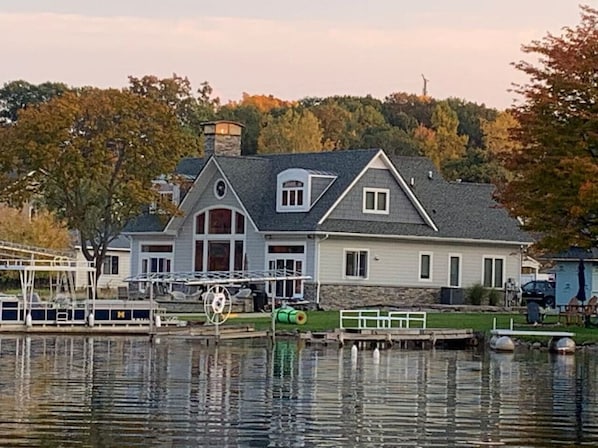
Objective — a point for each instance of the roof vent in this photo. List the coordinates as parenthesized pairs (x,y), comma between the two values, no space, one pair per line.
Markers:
(412,181)
(430,174)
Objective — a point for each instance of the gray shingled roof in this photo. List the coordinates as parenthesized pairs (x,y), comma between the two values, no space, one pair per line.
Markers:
(254,180)
(459,210)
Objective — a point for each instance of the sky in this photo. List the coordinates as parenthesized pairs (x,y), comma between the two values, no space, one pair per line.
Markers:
(291,50)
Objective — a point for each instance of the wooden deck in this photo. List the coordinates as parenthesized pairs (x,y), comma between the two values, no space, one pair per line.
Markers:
(387,338)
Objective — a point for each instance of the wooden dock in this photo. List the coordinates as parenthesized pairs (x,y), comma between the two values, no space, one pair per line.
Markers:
(387,338)
(209,334)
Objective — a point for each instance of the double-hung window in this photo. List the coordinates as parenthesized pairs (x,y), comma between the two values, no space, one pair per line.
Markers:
(356,263)
(493,276)
(375,200)
(110,266)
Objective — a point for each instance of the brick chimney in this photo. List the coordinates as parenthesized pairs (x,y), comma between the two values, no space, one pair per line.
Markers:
(222,138)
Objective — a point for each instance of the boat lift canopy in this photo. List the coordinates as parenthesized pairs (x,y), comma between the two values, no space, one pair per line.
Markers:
(217,277)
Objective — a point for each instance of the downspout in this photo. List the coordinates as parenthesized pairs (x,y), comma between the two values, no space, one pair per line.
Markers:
(317,270)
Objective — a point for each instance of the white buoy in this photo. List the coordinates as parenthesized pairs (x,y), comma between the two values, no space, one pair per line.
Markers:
(28,320)
(91,320)
(503,344)
(563,346)
(158,321)
(376,356)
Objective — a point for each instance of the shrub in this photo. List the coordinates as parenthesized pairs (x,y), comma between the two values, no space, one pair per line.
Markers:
(475,294)
(494,297)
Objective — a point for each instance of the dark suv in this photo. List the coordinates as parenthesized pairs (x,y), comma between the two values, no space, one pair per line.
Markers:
(541,291)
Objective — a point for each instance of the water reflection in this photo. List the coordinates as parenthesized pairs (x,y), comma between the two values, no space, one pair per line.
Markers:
(60,391)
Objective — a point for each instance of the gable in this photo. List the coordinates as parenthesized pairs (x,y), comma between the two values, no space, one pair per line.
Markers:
(211,189)
(400,207)
(381,172)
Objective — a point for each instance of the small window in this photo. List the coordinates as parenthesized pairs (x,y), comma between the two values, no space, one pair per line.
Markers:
(425,266)
(356,263)
(220,188)
(292,193)
(110,265)
(375,200)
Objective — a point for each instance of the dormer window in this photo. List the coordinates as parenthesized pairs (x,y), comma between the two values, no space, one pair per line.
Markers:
(292,193)
(375,200)
(298,189)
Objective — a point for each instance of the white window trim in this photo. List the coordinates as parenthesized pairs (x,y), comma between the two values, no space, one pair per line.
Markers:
(419,268)
(268,257)
(149,255)
(376,191)
(293,174)
(460,282)
(230,237)
(504,267)
(355,277)
(109,274)
(215,190)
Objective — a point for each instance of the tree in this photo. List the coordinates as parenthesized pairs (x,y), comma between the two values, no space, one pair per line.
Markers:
(264,103)
(90,157)
(17,95)
(176,93)
(497,134)
(334,121)
(251,119)
(555,190)
(41,229)
(392,139)
(441,144)
(397,105)
(471,116)
(294,131)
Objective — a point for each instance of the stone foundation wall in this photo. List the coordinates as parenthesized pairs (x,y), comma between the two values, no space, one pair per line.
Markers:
(336,297)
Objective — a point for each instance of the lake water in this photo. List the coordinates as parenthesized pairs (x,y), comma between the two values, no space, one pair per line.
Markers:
(59,391)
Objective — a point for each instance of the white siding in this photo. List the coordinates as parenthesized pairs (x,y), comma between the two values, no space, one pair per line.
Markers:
(105,280)
(396,262)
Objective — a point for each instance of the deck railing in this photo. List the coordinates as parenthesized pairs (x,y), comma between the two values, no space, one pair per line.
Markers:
(381,320)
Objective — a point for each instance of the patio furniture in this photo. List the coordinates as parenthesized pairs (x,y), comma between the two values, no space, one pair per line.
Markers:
(571,313)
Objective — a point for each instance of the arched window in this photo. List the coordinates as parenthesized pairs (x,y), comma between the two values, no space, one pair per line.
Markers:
(292,193)
(219,240)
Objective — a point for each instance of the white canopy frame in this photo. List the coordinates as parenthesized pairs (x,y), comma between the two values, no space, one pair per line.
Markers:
(220,278)
(27,269)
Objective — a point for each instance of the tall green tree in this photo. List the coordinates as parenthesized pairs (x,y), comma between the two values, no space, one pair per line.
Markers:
(17,95)
(176,92)
(555,189)
(251,119)
(90,157)
(296,130)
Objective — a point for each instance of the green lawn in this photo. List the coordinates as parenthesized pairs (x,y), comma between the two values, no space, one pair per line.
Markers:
(329,320)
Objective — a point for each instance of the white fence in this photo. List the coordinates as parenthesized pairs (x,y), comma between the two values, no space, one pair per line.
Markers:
(381,320)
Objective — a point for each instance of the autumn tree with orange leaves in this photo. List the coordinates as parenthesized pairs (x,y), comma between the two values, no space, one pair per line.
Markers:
(89,157)
(555,188)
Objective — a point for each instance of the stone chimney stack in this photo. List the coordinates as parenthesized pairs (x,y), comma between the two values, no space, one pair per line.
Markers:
(222,138)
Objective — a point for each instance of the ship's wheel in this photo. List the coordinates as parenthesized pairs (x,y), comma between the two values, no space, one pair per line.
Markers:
(217,304)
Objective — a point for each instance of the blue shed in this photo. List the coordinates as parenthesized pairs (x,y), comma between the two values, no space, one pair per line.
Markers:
(567,267)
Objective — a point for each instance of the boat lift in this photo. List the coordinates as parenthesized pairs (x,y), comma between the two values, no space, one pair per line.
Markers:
(217,299)
(63,266)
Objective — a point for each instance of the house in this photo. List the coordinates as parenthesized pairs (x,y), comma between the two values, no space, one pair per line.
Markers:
(368,228)
(116,269)
(566,269)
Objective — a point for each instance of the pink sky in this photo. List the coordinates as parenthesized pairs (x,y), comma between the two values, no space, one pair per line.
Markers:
(316,48)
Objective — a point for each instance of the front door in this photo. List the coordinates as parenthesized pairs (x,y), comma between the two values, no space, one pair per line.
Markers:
(292,259)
